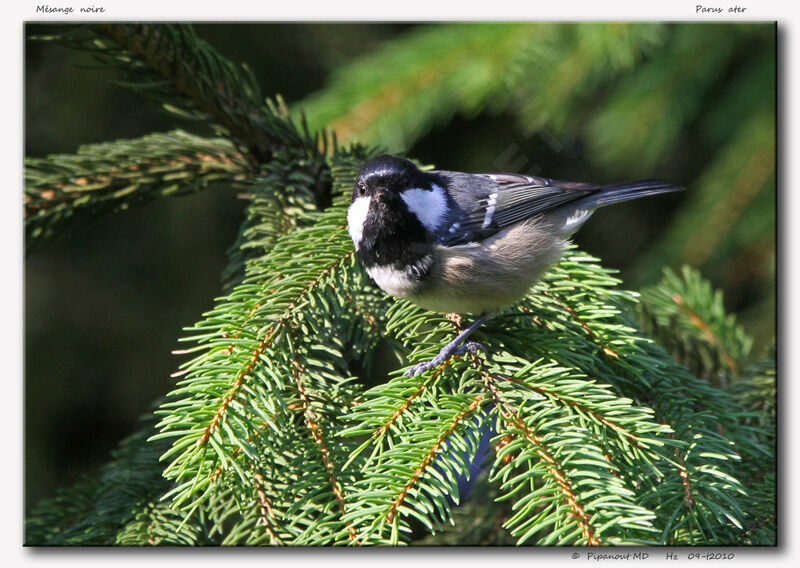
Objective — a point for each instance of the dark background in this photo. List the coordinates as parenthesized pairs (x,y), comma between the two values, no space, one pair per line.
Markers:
(105,306)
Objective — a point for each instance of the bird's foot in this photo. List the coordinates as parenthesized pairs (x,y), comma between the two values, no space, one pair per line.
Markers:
(454,347)
(444,354)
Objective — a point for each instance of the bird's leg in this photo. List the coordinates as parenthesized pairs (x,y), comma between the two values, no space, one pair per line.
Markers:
(452,348)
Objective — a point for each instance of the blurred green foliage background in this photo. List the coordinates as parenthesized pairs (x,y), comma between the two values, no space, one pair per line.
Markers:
(693,104)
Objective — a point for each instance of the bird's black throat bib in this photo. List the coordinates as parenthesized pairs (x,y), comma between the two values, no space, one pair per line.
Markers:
(393,236)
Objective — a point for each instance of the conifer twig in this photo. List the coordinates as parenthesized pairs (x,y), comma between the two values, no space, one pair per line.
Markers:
(112,176)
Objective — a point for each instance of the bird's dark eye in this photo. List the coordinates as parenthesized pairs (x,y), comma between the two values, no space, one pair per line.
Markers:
(362,188)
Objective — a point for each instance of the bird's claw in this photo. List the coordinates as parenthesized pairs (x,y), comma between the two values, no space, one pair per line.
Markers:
(472,347)
(419,368)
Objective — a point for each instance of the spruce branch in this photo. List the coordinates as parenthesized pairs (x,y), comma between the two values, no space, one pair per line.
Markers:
(153,520)
(567,436)
(189,78)
(691,426)
(688,317)
(761,514)
(476,521)
(279,199)
(264,438)
(170,64)
(264,324)
(117,507)
(615,439)
(376,99)
(756,391)
(661,98)
(54,515)
(574,321)
(156,524)
(112,176)
(392,97)
(756,388)
(575,64)
(416,474)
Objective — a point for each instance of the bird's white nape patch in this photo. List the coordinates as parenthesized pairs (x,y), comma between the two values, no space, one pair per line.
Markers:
(429,205)
(356,217)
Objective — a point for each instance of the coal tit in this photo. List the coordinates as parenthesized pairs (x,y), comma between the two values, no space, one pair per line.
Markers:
(468,243)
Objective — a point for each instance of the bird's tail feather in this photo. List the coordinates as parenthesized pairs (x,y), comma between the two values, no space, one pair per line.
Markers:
(619,192)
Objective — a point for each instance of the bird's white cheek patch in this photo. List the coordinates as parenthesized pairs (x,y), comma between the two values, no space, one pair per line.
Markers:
(428,205)
(356,217)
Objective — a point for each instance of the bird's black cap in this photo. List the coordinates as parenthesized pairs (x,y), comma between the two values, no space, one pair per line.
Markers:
(389,173)
(387,165)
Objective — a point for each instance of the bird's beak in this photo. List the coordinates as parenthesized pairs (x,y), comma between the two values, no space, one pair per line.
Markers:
(384,194)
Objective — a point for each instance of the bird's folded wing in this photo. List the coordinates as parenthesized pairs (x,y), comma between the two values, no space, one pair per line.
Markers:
(507,199)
